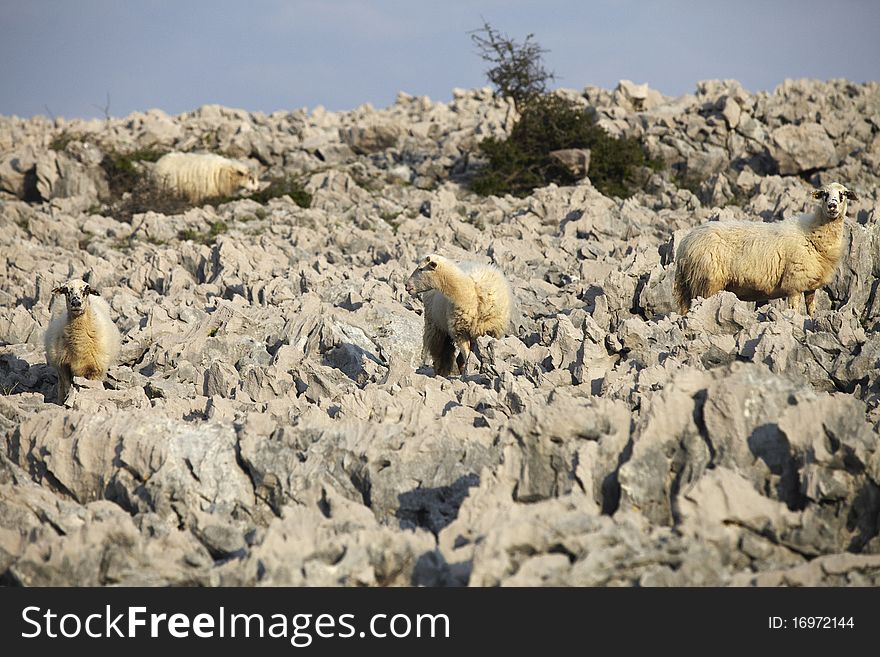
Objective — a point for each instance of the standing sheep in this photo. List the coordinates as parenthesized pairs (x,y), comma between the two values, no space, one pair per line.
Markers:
(462,302)
(81,339)
(197,176)
(760,261)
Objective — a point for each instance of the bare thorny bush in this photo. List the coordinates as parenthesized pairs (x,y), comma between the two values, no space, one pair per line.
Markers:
(517,69)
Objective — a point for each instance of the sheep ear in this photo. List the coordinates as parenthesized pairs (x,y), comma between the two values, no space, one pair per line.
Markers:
(818,193)
(851,195)
(431,265)
(94,291)
(57,290)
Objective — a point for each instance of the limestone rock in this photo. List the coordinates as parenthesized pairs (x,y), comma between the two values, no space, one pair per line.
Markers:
(804,147)
(272,419)
(576,160)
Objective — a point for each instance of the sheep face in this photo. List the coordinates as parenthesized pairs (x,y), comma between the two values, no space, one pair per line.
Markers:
(834,197)
(246,179)
(76,293)
(422,279)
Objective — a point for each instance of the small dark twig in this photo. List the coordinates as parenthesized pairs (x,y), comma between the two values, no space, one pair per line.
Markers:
(105,109)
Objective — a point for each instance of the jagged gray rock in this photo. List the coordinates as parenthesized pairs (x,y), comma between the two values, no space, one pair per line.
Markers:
(272,421)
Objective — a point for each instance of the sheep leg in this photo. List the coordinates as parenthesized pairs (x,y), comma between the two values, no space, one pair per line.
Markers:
(475,350)
(810,298)
(445,359)
(463,355)
(65,378)
(464,351)
(794,301)
(442,351)
(437,343)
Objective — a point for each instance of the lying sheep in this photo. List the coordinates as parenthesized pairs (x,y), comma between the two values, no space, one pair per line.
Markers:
(760,261)
(81,339)
(197,176)
(461,303)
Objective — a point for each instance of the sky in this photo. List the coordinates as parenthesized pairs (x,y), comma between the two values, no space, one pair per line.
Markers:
(68,58)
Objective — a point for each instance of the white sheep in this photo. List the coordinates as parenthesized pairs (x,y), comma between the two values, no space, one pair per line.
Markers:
(81,339)
(759,261)
(462,302)
(197,176)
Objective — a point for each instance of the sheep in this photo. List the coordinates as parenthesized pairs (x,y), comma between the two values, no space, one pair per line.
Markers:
(761,261)
(81,339)
(462,302)
(197,176)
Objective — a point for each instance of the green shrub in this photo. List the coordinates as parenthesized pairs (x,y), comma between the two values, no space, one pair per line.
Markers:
(144,196)
(522,162)
(286,186)
(216,229)
(60,141)
(122,172)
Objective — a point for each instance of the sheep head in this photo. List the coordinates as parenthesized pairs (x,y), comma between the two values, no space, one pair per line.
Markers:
(246,179)
(834,197)
(76,293)
(422,279)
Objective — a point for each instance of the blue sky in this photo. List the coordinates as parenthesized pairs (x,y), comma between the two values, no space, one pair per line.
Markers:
(65,57)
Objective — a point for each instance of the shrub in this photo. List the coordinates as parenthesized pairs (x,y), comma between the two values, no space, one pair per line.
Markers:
(143,196)
(517,70)
(287,186)
(122,172)
(522,162)
(216,229)
(60,141)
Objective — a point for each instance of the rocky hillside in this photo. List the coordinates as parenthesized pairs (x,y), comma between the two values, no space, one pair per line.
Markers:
(271,421)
